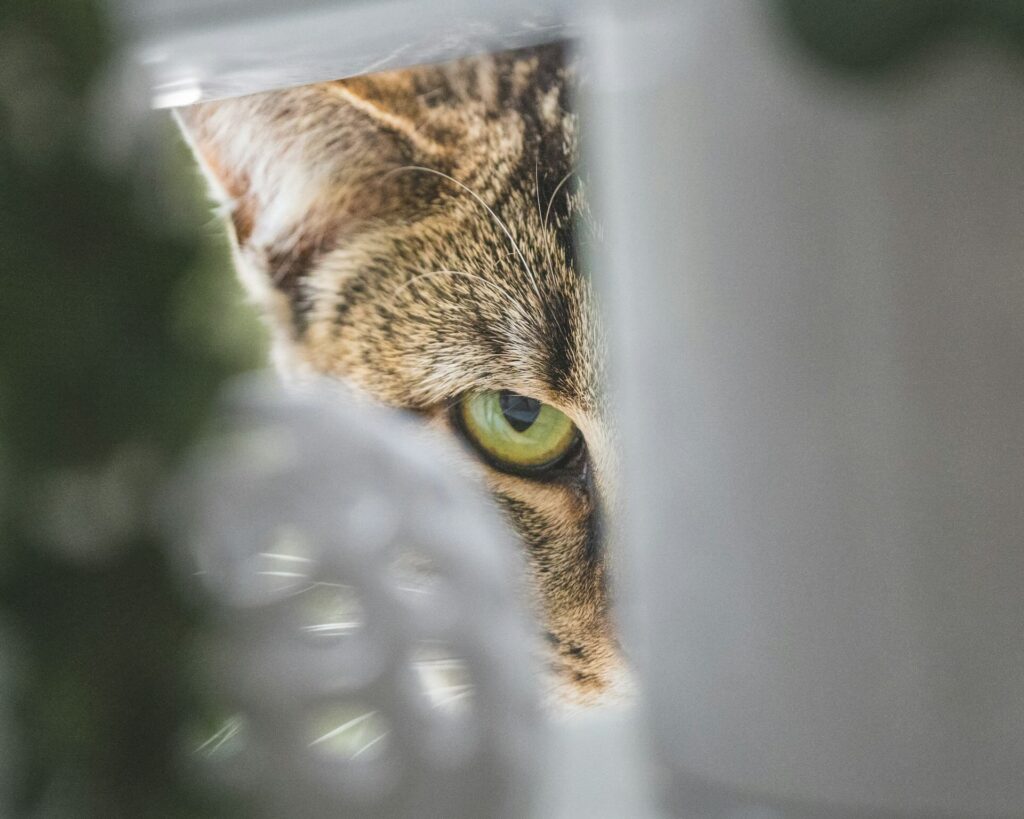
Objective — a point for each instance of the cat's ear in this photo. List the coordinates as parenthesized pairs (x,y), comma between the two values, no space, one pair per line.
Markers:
(297,161)
(299,171)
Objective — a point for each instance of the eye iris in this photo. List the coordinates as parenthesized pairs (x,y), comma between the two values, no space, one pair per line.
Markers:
(515,432)
(519,411)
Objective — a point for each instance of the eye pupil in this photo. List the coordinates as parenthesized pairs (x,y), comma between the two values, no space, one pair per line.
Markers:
(519,411)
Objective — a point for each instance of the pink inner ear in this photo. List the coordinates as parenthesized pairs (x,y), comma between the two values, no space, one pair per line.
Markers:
(274,127)
(291,167)
(230,183)
(243,219)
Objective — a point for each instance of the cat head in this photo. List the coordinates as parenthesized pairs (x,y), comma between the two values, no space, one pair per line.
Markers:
(413,234)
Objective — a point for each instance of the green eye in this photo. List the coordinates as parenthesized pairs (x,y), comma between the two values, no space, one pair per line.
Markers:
(515,432)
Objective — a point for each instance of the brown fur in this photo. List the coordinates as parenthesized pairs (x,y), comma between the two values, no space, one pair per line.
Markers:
(412,233)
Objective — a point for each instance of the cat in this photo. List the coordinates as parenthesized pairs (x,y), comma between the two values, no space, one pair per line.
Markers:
(413,233)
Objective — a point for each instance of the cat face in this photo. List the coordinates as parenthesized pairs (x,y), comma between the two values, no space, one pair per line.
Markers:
(412,233)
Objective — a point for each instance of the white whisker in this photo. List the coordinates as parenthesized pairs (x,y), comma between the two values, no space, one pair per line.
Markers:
(485,206)
(320,628)
(504,295)
(454,698)
(440,663)
(229,730)
(554,193)
(292,558)
(297,592)
(352,723)
(536,182)
(440,689)
(370,744)
(412,589)
(501,290)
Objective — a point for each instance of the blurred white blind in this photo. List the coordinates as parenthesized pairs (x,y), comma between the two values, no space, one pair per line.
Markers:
(193,51)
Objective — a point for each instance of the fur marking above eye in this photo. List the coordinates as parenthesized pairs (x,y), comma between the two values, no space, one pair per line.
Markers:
(479,199)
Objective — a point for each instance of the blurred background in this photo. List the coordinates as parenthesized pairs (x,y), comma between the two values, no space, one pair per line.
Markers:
(120,319)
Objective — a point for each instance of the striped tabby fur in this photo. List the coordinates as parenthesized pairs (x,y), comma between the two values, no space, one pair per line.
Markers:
(412,233)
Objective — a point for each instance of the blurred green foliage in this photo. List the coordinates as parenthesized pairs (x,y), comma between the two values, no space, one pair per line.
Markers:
(119,319)
(872,36)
